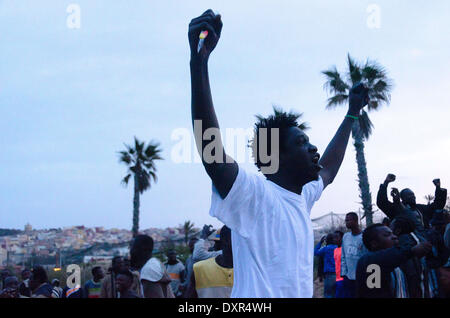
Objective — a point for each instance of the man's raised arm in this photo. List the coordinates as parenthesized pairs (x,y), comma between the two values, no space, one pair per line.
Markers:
(440,196)
(221,169)
(334,154)
(391,209)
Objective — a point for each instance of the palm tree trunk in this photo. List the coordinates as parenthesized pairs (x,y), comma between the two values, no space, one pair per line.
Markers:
(363,180)
(136,203)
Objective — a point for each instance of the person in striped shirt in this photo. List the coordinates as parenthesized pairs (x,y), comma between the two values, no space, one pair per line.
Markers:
(377,272)
(93,286)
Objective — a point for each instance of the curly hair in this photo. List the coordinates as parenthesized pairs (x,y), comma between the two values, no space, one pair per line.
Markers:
(278,120)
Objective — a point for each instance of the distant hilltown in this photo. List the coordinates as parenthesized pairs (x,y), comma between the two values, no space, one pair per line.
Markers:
(80,244)
(76,242)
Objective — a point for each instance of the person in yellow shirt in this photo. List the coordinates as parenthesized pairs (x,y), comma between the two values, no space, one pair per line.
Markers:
(213,278)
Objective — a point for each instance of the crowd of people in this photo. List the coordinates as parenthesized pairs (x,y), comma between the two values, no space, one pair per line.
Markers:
(207,273)
(405,256)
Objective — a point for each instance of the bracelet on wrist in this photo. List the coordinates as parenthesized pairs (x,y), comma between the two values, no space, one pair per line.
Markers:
(352,117)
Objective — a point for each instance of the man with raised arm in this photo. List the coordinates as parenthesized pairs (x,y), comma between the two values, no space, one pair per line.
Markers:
(272,235)
(420,214)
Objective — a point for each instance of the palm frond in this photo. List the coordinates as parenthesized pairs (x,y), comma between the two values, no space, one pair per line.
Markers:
(153,175)
(383,87)
(336,100)
(365,125)
(138,146)
(129,149)
(373,71)
(143,180)
(125,157)
(373,105)
(126,179)
(149,165)
(152,151)
(377,99)
(334,83)
(380,86)
(354,71)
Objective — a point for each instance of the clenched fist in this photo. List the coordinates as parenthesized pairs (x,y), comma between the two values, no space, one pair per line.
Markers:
(437,182)
(390,178)
(210,22)
(358,98)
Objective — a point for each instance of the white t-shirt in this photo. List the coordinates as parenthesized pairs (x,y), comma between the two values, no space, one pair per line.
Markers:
(272,236)
(152,271)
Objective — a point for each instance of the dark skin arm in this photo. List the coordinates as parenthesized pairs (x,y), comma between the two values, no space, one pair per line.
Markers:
(152,290)
(440,196)
(388,208)
(223,173)
(334,154)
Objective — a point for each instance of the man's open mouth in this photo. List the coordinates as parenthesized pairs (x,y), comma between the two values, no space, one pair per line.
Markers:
(315,161)
(316,158)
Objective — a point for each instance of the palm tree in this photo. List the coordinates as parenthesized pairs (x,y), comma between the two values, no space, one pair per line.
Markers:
(188,229)
(375,77)
(140,161)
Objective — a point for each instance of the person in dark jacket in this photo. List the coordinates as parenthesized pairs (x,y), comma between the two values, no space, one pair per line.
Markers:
(39,284)
(403,227)
(404,203)
(11,288)
(435,235)
(377,272)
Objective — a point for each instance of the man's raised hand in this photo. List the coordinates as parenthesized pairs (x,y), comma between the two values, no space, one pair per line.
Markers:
(210,22)
(223,172)
(395,194)
(206,231)
(390,178)
(358,98)
(437,183)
